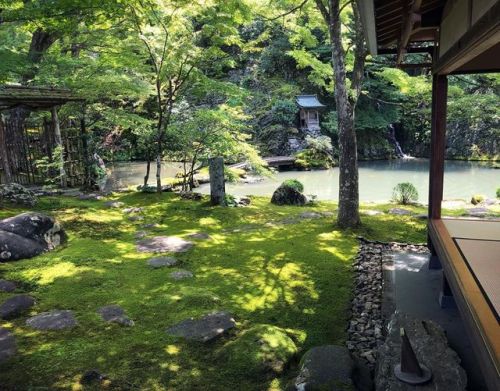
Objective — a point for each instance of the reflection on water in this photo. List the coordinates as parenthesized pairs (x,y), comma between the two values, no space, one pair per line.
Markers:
(377,179)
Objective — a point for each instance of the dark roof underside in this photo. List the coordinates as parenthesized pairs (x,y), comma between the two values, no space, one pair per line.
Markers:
(34,98)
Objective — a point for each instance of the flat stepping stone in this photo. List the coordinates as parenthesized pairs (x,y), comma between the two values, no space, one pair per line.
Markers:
(52,320)
(136,218)
(114,204)
(164,244)
(132,210)
(199,236)
(16,306)
(116,314)
(181,275)
(7,286)
(7,344)
(373,213)
(310,215)
(205,329)
(477,212)
(151,225)
(400,212)
(159,262)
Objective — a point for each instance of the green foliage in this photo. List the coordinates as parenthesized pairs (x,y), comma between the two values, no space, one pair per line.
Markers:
(498,192)
(294,184)
(51,166)
(284,112)
(477,199)
(405,193)
(317,155)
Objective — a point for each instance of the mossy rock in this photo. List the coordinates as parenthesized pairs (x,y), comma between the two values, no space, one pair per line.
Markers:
(288,195)
(260,350)
(477,199)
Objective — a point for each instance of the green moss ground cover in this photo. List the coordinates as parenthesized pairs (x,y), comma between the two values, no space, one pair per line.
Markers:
(288,286)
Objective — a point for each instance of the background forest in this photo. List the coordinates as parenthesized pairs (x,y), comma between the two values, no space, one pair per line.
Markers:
(221,77)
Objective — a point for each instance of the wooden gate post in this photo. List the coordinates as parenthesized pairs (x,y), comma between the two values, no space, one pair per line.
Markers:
(58,139)
(217,183)
(3,150)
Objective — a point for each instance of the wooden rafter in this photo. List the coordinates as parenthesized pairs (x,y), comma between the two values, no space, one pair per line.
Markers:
(412,17)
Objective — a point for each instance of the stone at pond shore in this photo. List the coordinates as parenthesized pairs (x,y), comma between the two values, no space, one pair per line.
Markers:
(327,367)
(477,212)
(400,212)
(116,314)
(16,306)
(152,189)
(17,194)
(7,344)
(27,235)
(181,275)
(204,329)
(52,320)
(164,244)
(159,262)
(114,204)
(287,195)
(199,236)
(7,286)
(431,348)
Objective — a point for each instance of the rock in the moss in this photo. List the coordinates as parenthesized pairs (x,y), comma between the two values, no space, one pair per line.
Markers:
(27,235)
(7,344)
(52,320)
(204,329)
(287,195)
(190,195)
(159,262)
(7,286)
(181,275)
(115,314)
(259,350)
(164,244)
(477,212)
(114,204)
(92,377)
(16,306)
(17,194)
(327,367)
(400,211)
(199,236)
(310,215)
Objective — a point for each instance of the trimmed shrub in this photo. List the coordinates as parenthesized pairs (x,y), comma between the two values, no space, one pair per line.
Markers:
(477,199)
(404,193)
(294,184)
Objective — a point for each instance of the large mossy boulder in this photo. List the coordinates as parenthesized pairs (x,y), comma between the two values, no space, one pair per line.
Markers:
(260,350)
(28,235)
(17,194)
(289,193)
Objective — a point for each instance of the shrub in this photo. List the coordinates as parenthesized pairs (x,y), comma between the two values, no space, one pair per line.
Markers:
(404,193)
(477,199)
(294,184)
(498,192)
(318,153)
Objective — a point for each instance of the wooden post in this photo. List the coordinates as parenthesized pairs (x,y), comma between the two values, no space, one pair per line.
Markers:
(58,139)
(217,183)
(438,144)
(3,150)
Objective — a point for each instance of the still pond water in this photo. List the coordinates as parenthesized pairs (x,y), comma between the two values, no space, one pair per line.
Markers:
(376,178)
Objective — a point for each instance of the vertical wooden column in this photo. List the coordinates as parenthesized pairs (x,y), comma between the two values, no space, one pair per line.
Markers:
(58,139)
(3,151)
(217,183)
(438,144)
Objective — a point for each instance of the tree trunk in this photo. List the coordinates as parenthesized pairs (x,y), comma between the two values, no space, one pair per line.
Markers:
(3,150)
(148,168)
(348,215)
(217,184)
(158,171)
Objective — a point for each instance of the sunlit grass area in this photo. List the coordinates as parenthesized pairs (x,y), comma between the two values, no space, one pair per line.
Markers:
(286,280)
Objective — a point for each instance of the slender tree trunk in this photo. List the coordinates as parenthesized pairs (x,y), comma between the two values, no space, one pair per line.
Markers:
(58,139)
(348,215)
(148,167)
(3,150)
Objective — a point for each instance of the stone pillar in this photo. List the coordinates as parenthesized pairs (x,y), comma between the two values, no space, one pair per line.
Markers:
(58,138)
(217,183)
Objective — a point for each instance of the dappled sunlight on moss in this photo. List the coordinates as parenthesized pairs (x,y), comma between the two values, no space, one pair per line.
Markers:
(47,275)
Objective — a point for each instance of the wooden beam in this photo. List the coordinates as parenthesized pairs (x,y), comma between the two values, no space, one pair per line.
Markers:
(438,144)
(412,17)
(482,36)
(57,136)
(367,13)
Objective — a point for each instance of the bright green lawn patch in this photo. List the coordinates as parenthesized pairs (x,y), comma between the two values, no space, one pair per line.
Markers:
(287,284)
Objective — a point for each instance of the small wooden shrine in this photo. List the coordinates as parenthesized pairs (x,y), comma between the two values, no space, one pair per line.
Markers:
(309,107)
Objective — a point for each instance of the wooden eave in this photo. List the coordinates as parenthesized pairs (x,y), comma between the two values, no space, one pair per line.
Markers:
(35,98)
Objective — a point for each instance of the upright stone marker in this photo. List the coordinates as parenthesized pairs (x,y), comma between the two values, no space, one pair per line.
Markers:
(217,184)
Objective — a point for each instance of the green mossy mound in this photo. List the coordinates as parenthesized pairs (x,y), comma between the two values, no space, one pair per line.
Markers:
(259,350)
